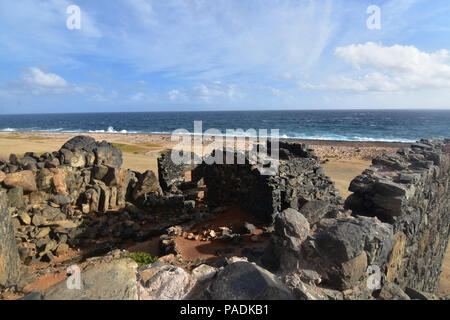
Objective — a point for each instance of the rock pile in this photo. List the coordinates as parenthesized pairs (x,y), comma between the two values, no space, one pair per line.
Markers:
(53,198)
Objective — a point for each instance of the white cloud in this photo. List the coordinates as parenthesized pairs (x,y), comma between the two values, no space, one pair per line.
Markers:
(35,77)
(392,69)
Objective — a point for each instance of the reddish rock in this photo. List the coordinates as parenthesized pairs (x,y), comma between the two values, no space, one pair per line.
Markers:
(24,179)
(2,176)
(59,182)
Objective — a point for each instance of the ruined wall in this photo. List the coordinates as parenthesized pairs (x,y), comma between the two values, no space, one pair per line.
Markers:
(410,191)
(300,183)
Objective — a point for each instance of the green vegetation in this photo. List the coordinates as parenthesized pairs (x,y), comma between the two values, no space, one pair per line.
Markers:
(164,152)
(150,145)
(129,148)
(140,148)
(141,258)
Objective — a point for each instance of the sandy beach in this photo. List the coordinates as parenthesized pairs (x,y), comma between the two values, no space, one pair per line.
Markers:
(342,160)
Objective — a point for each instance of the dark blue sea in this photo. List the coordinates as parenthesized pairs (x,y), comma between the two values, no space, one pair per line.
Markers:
(350,125)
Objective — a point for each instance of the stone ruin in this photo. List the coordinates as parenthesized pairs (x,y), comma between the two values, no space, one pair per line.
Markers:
(321,247)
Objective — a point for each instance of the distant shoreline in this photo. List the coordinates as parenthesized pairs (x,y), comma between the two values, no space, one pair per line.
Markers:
(317,142)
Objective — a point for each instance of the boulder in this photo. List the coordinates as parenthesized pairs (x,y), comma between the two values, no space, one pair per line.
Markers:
(59,182)
(105,153)
(292,227)
(391,291)
(147,183)
(115,280)
(204,273)
(304,291)
(15,198)
(246,281)
(346,238)
(80,142)
(24,179)
(2,176)
(164,282)
(44,179)
(315,210)
(9,254)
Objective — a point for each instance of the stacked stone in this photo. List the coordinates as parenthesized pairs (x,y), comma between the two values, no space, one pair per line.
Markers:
(48,195)
(172,176)
(299,183)
(410,191)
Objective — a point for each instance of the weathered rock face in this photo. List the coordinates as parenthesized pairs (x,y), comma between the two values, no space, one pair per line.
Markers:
(9,254)
(147,184)
(410,190)
(292,228)
(115,280)
(246,281)
(81,150)
(24,179)
(164,282)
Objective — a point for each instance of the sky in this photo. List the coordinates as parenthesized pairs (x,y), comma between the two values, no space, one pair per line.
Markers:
(171,55)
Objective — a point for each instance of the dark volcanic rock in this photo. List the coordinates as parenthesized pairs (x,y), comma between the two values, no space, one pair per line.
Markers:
(346,238)
(292,227)
(410,191)
(80,142)
(105,153)
(15,197)
(147,183)
(315,210)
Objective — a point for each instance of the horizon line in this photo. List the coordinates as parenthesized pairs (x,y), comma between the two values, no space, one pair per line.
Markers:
(228,110)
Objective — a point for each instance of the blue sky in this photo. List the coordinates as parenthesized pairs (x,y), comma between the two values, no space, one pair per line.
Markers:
(154,55)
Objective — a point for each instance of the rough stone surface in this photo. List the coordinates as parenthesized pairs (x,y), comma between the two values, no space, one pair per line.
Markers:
(24,179)
(115,280)
(9,254)
(391,291)
(292,227)
(165,282)
(204,272)
(246,281)
(410,191)
(105,153)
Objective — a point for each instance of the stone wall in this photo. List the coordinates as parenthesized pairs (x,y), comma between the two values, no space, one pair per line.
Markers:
(300,183)
(410,190)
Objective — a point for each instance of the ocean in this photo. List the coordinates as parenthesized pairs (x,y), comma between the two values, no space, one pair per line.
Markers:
(348,125)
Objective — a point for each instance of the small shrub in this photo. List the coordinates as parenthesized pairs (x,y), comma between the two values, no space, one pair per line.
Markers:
(141,258)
